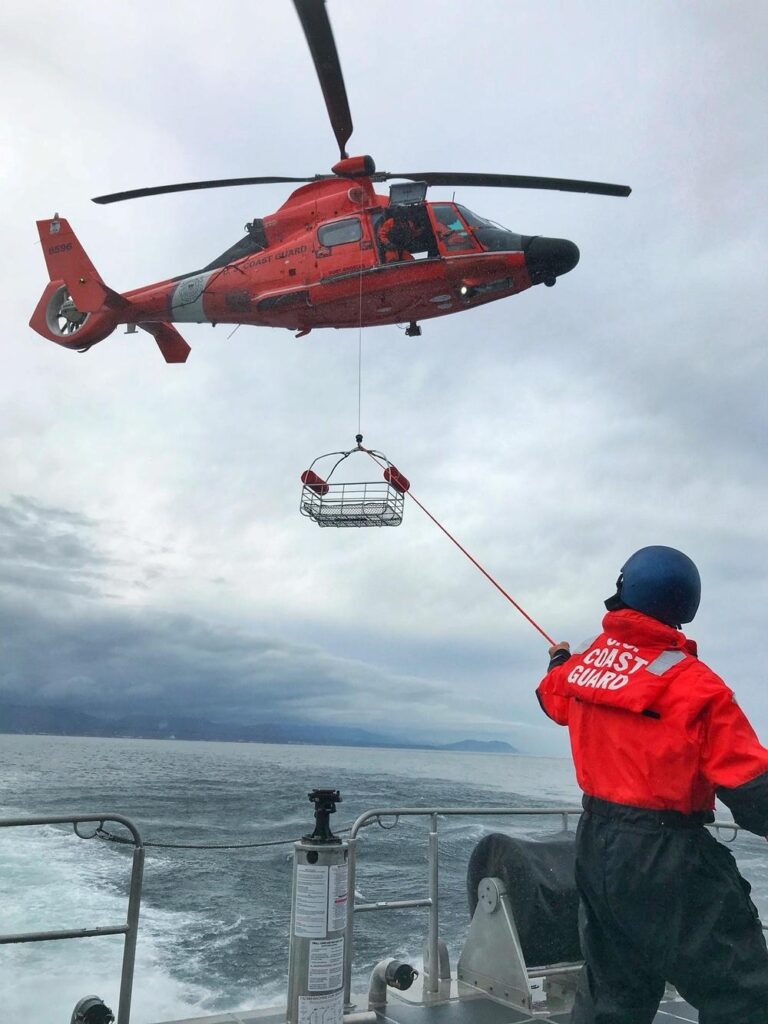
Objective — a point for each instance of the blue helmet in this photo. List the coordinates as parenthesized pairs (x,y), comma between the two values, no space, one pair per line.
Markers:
(661,582)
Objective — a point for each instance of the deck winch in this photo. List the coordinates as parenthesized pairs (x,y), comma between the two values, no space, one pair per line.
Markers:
(353,503)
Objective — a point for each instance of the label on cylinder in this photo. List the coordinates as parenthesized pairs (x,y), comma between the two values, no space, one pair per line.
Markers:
(326,964)
(322,1009)
(311,901)
(337,898)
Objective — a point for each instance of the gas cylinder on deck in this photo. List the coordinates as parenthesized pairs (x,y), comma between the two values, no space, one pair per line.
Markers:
(318,920)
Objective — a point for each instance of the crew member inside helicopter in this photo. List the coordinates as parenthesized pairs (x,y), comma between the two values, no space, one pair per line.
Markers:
(403,231)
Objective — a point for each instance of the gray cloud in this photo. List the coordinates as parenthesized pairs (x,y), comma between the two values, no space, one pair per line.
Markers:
(45,549)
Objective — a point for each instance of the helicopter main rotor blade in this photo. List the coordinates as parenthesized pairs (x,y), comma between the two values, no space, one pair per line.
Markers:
(599,188)
(191,186)
(449,178)
(317,28)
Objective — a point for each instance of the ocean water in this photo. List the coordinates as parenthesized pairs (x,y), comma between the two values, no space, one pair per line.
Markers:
(214,923)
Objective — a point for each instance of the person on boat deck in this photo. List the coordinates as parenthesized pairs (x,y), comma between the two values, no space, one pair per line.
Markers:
(655,735)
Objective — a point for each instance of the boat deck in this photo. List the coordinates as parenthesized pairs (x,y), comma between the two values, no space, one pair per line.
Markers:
(486,1011)
(466,1011)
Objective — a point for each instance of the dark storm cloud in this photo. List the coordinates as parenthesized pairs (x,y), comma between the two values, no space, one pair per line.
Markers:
(86,654)
(121,661)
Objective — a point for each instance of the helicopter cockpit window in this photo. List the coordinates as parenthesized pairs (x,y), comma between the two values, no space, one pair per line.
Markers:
(490,235)
(451,229)
(339,232)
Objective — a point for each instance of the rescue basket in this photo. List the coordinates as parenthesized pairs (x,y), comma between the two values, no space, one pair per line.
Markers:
(352,503)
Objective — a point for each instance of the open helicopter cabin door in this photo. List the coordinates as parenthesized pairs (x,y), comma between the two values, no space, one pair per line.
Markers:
(352,502)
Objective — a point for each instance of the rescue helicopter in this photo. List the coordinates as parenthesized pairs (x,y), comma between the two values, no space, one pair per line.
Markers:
(335,254)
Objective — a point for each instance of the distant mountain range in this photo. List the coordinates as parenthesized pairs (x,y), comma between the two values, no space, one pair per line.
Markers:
(17,718)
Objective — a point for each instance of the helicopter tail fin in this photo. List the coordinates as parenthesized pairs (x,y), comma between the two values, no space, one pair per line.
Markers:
(169,341)
(77,309)
(68,261)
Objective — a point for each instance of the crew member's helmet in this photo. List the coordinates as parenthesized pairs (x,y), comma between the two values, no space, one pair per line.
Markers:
(661,582)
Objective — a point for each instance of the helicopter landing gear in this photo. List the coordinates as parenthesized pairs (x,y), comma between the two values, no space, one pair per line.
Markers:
(413,330)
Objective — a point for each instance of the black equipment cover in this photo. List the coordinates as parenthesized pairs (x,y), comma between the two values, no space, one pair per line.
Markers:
(539,879)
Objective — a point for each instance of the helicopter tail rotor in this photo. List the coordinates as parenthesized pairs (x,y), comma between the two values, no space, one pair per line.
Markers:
(57,317)
(77,309)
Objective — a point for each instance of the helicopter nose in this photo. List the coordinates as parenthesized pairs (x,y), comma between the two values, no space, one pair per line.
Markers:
(548,258)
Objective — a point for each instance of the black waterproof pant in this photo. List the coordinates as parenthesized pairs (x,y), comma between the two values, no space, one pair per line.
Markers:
(662,900)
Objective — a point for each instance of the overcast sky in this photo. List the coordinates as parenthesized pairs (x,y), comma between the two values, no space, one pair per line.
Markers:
(152,555)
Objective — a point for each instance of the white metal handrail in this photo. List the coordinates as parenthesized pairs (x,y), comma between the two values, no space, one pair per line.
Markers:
(131,926)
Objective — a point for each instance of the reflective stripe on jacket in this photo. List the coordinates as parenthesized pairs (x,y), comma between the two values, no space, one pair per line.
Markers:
(651,725)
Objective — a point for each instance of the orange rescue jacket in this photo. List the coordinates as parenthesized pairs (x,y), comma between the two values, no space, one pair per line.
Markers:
(651,725)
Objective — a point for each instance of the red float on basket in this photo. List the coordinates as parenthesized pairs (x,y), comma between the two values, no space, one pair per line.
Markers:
(314,482)
(394,477)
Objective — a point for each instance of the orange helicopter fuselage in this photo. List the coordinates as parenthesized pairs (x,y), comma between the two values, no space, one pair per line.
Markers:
(320,261)
(297,282)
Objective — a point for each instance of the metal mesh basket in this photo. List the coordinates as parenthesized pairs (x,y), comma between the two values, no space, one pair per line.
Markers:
(354,504)
(372,503)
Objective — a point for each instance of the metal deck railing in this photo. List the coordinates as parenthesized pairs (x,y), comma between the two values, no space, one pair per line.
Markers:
(129,929)
(431,901)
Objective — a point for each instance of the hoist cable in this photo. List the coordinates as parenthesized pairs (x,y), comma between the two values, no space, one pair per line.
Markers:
(473,560)
(360,326)
(360,373)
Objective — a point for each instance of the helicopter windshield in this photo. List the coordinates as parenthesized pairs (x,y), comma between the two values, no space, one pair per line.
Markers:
(451,229)
(490,235)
